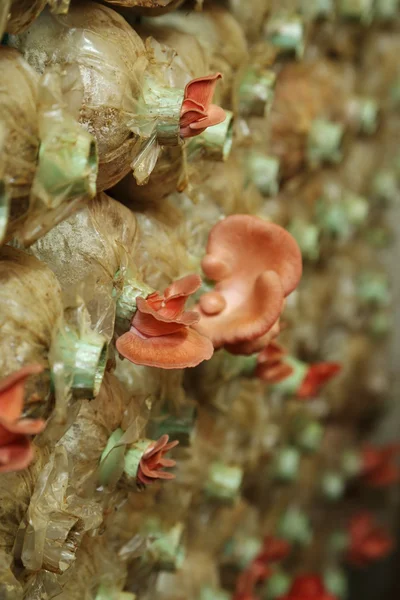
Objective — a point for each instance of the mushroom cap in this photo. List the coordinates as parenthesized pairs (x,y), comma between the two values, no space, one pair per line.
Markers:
(197,112)
(256,264)
(161,334)
(16,451)
(245,246)
(270,365)
(178,350)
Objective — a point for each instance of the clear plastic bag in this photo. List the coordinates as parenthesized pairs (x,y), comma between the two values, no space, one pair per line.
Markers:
(56,520)
(210,27)
(103,61)
(19,90)
(50,162)
(151,8)
(89,253)
(17,15)
(31,310)
(112,83)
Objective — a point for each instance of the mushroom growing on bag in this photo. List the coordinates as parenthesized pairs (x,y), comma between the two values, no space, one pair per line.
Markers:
(35,329)
(255,264)
(210,26)
(112,84)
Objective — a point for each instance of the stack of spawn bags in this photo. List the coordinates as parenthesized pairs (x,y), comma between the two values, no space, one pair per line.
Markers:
(182,415)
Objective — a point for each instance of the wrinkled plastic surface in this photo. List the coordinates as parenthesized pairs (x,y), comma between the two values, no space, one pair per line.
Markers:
(89,254)
(103,61)
(19,117)
(31,308)
(210,26)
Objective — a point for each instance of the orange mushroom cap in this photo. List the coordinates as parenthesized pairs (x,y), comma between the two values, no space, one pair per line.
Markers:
(256,264)
(197,112)
(161,333)
(16,451)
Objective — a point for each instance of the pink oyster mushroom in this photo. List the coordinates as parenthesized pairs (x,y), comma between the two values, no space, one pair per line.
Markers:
(162,333)
(153,462)
(16,450)
(197,112)
(255,264)
(271,366)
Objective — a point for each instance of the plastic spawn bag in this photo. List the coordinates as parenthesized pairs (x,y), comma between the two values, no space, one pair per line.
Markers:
(89,253)
(98,572)
(56,520)
(31,310)
(304,93)
(17,15)
(15,492)
(87,438)
(152,8)
(161,254)
(132,114)
(20,131)
(35,329)
(182,58)
(103,62)
(210,27)
(50,162)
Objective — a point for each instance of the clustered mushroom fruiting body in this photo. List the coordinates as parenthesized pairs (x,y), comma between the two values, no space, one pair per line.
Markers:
(308,587)
(152,463)
(273,550)
(16,450)
(368,541)
(197,111)
(378,468)
(255,265)
(162,333)
(272,368)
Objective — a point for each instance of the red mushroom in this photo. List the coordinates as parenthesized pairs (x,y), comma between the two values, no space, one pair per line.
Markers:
(368,541)
(273,550)
(197,112)
(270,366)
(161,333)
(308,587)
(16,451)
(256,264)
(378,468)
(259,569)
(153,461)
(317,376)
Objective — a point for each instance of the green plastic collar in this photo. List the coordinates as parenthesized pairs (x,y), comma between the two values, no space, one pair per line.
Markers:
(256,92)
(215,143)
(84,356)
